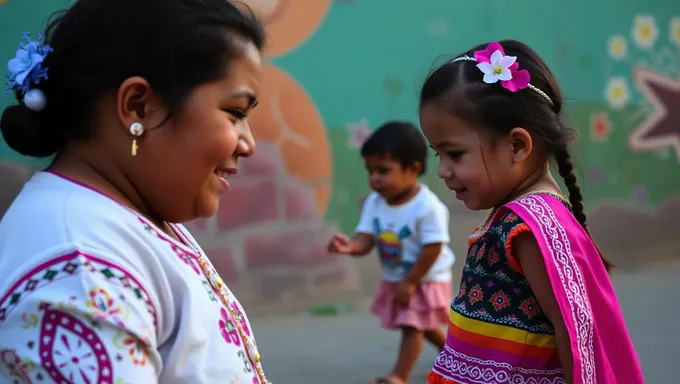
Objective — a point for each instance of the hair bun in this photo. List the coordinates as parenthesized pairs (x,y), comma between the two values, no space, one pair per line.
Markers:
(22,130)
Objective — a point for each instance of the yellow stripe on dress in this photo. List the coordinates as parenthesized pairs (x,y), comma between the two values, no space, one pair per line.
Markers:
(501,338)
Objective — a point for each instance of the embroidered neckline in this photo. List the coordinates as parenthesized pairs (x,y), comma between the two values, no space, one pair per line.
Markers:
(481,230)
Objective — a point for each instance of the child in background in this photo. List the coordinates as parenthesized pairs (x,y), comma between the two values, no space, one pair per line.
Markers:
(410,227)
(535,304)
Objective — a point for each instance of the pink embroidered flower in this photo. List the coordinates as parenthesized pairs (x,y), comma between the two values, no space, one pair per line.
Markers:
(493,256)
(499,300)
(529,307)
(241,318)
(227,328)
(496,66)
(462,290)
(255,380)
(480,252)
(475,294)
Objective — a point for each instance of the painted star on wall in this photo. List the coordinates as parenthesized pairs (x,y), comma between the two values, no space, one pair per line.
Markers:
(662,128)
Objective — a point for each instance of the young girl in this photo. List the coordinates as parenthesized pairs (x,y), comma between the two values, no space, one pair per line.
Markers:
(410,227)
(536,304)
(145,105)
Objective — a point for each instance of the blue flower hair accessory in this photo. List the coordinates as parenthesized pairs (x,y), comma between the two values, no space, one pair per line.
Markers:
(25,70)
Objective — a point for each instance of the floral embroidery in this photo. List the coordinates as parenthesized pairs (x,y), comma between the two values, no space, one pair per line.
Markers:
(529,307)
(462,290)
(499,300)
(69,265)
(494,291)
(29,320)
(493,256)
(476,294)
(15,366)
(136,350)
(481,252)
(228,329)
(70,351)
(241,318)
(104,307)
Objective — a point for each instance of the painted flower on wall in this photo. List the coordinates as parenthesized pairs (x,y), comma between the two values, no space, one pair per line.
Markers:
(358,133)
(596,173)
(640,195)
(617,92)
(617,47)
(600,126)
(645,32)
(674,30)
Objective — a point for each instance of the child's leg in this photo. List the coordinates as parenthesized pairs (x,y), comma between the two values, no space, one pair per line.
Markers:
(436,337)
(409,351)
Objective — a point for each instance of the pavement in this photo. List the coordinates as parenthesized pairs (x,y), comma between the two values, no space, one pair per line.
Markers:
(352,349)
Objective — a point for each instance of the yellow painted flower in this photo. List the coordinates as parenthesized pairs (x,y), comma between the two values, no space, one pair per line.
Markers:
(617,92)
(618,47)
(674,30)
(645,31)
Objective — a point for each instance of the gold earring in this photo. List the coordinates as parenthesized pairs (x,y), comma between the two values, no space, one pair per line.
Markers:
(136,130)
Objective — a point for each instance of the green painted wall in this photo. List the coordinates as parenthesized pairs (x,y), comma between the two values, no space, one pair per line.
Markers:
(364,61)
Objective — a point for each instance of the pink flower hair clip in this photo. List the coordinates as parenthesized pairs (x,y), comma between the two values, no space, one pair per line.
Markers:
(497,66)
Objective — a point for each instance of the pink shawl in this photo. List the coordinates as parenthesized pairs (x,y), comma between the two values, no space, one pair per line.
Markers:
(602,349)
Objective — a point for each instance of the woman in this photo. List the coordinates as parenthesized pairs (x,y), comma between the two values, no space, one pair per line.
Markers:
(145,104)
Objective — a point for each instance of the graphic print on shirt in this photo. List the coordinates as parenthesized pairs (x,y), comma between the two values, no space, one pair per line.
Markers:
(390,247)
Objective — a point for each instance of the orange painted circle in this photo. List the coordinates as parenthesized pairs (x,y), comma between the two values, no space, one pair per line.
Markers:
(287,117)
(289,22)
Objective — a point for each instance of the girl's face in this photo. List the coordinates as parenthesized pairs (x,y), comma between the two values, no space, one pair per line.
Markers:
(480,171)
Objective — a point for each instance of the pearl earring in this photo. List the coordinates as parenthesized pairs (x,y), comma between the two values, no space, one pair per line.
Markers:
(136,130)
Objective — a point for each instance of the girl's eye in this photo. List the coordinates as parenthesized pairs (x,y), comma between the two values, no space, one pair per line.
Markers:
(237,113)
(455,155)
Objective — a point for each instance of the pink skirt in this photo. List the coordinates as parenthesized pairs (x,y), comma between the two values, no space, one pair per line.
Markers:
(427,310)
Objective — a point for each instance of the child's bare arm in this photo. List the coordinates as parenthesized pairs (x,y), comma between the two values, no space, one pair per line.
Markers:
(428,256)
(361,244)
(528,254)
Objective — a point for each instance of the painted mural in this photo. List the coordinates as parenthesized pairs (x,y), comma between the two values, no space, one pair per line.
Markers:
(337,69)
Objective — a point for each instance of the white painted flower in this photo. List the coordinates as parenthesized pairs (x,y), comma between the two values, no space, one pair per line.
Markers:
(618,47)
(438,28)
(498,68)
(674,30)
(645,32)
(617,92)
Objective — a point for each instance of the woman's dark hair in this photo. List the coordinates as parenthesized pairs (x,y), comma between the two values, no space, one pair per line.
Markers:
(176,45)
(458,86)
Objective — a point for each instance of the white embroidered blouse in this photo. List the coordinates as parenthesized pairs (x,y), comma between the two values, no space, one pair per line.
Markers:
(91,292)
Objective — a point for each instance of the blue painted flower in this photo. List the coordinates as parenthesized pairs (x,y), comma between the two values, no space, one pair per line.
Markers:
(26,67)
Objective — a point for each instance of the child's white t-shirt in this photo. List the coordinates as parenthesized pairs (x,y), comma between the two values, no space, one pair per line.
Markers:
(401,231)
(90,292)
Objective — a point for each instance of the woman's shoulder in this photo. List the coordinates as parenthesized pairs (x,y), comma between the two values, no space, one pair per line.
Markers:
(57,227)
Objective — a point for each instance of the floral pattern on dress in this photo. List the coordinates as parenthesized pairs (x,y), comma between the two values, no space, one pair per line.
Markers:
(493,287)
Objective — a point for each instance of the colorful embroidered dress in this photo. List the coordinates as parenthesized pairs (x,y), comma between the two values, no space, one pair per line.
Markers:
(92,293)
(498,332)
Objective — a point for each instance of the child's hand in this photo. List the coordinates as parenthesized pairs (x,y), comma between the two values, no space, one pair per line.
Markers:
(340,243)
(405,290)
